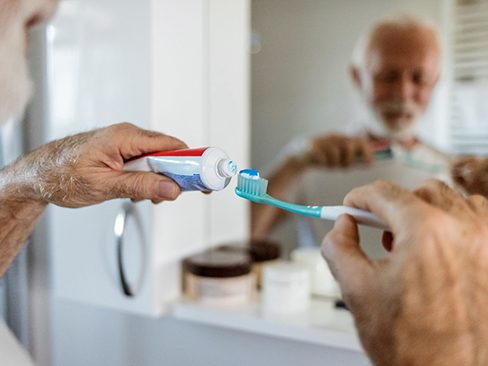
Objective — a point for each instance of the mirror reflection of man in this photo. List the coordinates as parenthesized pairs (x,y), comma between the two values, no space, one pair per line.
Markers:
(395,67)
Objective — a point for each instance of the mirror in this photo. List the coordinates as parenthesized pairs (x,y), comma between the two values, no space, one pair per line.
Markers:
(302,87)
(300,79)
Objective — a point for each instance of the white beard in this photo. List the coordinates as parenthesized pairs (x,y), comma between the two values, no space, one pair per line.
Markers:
(377,127)
(406,130)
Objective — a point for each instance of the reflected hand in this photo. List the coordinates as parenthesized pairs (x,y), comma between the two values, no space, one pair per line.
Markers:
(472,175)
(335,150)
(425,303)
(87,168)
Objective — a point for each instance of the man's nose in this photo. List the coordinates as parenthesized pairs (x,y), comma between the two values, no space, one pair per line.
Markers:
(405,88)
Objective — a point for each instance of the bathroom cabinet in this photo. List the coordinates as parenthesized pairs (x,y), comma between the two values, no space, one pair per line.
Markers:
(178,67)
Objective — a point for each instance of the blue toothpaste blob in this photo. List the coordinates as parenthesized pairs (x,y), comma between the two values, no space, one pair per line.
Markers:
(249,172)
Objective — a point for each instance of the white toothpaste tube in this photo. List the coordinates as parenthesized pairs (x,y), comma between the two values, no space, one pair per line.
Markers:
(204,169)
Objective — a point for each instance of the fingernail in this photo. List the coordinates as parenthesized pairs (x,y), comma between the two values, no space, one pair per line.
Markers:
(168,190)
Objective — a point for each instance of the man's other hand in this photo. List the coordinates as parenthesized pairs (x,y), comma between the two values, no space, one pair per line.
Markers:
(425,302)
(336,150)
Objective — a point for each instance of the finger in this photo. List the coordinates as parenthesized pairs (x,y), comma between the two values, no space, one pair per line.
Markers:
(390,203)
(349,155)
(472,175)
(138,141)
(365,150)
(440,195)
(333,156)
(467,173)
(316,155)
(462,169)
(143,185)
(346,260)
(478,204)
(151,141)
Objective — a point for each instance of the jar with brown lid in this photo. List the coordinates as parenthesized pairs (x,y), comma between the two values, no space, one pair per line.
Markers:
(219,277)
(262,252)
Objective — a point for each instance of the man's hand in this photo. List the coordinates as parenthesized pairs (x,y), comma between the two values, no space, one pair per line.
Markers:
(77,171)
(426,302)
(472,175)
(86,168)
(335,150)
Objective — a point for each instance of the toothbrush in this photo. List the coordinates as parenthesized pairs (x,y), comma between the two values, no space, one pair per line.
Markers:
(252,187)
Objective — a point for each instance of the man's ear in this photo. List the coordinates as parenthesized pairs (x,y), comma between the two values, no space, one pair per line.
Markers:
(355,76)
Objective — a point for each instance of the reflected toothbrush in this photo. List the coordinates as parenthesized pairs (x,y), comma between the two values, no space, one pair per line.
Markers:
(252,187)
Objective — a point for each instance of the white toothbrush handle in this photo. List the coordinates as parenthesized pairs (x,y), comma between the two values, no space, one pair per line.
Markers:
(361,216)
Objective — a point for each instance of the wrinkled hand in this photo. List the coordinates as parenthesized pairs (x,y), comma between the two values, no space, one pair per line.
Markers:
(426,302)
(86,168)
(472,175)
(335,150)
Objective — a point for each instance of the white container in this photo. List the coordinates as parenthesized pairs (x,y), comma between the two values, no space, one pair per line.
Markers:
(286,288)
(323,282)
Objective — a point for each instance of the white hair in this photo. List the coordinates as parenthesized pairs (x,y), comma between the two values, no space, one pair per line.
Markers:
(400,21)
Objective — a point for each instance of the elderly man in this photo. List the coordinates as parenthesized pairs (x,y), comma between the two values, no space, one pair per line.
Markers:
(75,171)
(434,313)
(396,66)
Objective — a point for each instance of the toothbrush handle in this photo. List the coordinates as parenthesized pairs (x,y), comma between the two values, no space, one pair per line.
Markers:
(361,216)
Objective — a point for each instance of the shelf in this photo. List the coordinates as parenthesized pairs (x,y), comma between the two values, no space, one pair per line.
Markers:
(322,324)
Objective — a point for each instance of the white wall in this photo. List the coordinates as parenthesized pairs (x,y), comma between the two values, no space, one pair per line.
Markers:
(300,81)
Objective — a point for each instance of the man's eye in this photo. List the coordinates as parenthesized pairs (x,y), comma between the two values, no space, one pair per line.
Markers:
(388,77)
(420,79)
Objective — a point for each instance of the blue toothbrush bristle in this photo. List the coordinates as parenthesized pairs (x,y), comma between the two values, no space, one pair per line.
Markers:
(249,182)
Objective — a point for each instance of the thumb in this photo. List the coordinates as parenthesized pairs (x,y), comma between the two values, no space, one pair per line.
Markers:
(145,185)
(462,170)
(346,260)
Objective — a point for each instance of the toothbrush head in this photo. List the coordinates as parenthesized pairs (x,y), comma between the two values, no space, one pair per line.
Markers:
(251,186)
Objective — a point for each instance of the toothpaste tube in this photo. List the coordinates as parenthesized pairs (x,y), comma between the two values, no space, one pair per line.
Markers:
(204,169)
